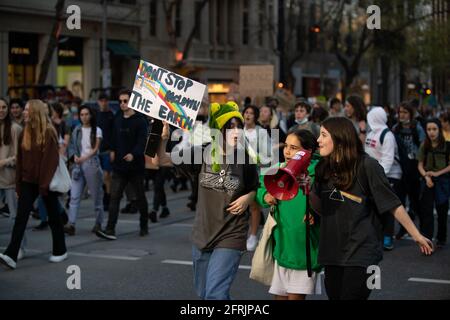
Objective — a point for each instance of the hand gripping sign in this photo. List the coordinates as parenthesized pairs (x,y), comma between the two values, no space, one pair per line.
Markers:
(164,95)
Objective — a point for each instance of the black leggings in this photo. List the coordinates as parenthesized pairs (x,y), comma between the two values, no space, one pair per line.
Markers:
(28,194)
(346,283)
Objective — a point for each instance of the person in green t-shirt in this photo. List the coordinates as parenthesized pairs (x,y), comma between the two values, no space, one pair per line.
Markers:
(290,280)
(434,167)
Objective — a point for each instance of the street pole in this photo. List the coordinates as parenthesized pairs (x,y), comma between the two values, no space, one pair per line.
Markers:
(281,38)
(106,72)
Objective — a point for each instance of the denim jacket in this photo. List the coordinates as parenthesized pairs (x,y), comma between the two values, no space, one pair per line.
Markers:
(74,148)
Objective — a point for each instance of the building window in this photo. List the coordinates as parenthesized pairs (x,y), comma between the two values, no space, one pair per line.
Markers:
(245,23)
(198,21)
(262,22)
(153,15)
(178,20)
(220,22)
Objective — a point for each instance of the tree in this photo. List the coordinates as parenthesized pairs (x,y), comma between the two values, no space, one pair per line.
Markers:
(53,41)
(352,40)
(181,65)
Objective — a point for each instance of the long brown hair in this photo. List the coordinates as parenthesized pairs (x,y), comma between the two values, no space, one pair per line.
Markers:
(342,164)
(427,144)
(5,136)
(359,107)
(38,125)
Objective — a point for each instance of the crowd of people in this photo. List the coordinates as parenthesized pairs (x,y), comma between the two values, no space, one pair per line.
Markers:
(382,162)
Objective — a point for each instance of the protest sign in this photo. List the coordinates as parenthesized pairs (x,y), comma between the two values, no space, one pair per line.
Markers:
(256,81)
(165,95)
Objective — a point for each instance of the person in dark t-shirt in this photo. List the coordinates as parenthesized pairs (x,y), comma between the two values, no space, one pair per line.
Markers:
(350,192)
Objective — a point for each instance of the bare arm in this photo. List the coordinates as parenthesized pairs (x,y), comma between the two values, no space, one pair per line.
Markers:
(400,214)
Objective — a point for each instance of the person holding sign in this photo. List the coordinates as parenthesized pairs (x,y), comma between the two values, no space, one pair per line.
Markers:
(127,157)
(224,193)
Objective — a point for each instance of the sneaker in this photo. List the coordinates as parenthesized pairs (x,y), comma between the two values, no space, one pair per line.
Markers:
(7,261)
(252,242)
(107,234)
(388,244)
(57,259)
(96,228)
(69,229)
(153,216)
(21,254)
(35,214)
(143,232)
(191,205)
(5,211)
(126,208)
(41,226)
(400,234)
(165,212)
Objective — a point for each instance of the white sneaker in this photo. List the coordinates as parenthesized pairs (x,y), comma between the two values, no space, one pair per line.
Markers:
(57,259)
(21,254)
(7,261)
(252,242)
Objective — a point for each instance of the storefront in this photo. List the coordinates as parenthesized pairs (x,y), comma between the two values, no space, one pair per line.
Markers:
(70,65)
(22,62)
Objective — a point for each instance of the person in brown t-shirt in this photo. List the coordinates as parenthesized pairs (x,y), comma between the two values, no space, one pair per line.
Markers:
(37,161)
(226,189)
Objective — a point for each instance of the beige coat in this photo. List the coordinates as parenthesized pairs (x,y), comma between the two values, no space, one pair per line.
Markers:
(8,158)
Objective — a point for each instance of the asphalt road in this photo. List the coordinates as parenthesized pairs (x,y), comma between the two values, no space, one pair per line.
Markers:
(158,266)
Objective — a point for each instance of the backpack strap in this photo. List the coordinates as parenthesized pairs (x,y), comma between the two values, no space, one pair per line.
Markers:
(383,134)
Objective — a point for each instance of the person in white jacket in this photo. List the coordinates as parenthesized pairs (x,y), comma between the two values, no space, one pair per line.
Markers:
(380,144)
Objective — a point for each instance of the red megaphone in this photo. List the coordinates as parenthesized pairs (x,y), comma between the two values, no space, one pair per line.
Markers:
(283,185)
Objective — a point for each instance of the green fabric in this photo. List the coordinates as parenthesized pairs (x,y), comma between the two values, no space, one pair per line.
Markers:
(290,232)
(439,156)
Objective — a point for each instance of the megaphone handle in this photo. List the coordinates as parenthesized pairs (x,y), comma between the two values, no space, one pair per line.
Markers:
(308,237)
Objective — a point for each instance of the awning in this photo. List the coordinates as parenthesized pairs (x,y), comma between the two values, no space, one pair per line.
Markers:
(122,48)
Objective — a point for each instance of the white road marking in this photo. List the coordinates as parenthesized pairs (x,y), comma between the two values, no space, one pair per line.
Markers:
(429,280)
(81,254)
(189,263)
(104,256)
(189,225)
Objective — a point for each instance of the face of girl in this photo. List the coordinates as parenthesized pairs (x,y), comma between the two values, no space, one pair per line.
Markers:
(403,115)
(300,113)
(325,141)
(232,134)
(433,131)
(291,147)
(26,113)
(249,116)
(16,110)
(349,111)
(265,114)
(85,117)
(3,110)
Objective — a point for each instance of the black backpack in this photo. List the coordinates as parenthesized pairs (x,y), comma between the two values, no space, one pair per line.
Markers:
(402,158)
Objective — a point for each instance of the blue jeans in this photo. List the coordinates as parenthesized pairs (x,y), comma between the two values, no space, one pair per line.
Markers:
(214,271)
(91,174)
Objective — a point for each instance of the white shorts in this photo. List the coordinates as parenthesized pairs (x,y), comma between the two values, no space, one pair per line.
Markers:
(293,281)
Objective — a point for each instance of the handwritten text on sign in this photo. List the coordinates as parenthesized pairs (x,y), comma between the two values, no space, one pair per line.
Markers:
(167,96)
